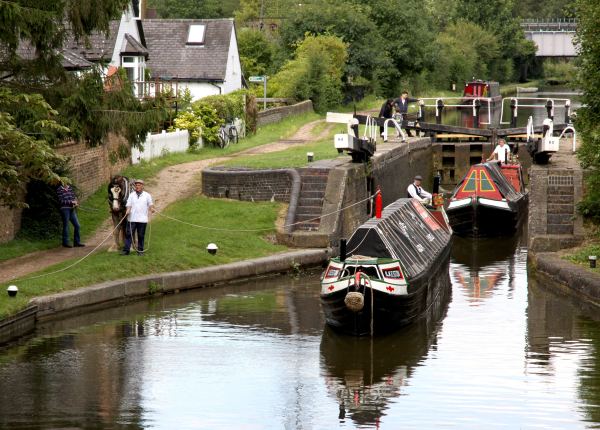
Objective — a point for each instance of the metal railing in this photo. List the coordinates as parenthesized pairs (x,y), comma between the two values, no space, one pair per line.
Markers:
(549,104)
(475,105)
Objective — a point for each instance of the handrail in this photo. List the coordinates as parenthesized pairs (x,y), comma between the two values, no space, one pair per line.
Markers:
(488,100)
(548,100)
(396,125)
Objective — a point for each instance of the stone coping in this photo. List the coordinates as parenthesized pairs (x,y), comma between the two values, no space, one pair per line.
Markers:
(578,281)
(112,293)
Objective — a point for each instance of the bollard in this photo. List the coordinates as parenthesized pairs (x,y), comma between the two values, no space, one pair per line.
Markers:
(476,109)
(212,248)
(421,111)
(592,259)
(513,113)
(310,156)
(568,112)
(438,111)
(550,109)
(12,290)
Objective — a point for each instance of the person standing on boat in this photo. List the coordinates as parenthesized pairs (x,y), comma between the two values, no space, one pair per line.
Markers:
(415,191)
(139,203)
(401,105)
(501,152)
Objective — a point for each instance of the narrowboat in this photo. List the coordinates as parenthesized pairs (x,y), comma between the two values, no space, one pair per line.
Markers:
(489,201)
(365,375)
(391,271)
(491,103)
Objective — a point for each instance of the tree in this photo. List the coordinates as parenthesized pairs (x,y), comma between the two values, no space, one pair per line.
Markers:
(348,21)
(466,50)
(497,16)
(34,87)
(315,73)
(256,52)
(588,116)
(24,153)
(197,9)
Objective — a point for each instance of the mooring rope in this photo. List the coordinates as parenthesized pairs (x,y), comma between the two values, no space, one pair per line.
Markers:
(192,225)
(247,230)
(78,261)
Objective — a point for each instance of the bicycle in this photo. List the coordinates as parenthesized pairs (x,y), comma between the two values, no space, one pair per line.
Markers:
(227,134)
(223,137)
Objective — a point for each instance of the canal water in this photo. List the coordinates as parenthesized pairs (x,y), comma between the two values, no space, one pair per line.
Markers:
(504,351)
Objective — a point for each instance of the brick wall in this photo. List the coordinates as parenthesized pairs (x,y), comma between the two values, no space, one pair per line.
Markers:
(276,114)
(553,219)
(92,167)
(247,184)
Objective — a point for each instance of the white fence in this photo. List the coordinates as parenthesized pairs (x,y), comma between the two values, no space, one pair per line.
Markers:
(157,145)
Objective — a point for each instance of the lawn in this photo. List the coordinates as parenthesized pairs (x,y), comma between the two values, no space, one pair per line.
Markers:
(94,209)
(581,255)
(171,246)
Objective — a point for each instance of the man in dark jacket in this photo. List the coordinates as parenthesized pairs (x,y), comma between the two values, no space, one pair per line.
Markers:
(401,105)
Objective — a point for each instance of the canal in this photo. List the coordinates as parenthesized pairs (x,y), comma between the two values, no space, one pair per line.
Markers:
(503,351)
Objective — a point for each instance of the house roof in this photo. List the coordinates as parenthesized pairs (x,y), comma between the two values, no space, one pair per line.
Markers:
(171,57)
(133,47)
(74,61)
(98,46)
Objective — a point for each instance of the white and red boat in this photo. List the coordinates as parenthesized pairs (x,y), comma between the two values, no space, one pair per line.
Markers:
(395,268)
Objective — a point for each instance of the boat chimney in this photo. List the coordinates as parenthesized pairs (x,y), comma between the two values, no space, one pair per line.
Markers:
(436,184)
(342,250)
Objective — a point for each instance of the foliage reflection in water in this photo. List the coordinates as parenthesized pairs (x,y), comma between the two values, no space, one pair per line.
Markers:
(504,352)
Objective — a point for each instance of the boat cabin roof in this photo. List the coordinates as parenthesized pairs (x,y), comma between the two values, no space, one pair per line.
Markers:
(407,232)
(492,181)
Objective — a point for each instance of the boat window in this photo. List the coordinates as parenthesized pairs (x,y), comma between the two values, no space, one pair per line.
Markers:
(332,272)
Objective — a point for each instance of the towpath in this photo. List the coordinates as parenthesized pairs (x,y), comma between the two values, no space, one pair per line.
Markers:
(171,184)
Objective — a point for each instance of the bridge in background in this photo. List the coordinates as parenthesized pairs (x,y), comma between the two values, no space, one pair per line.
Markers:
(553,38)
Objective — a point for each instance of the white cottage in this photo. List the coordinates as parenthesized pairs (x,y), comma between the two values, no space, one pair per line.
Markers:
(198,54)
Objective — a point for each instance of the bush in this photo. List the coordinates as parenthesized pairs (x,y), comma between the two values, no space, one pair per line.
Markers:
(315,73)
(205,116)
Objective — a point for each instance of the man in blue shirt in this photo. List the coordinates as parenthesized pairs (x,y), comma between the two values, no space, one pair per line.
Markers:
(68,202)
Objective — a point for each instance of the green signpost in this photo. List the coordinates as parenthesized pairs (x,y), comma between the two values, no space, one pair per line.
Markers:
(263,79)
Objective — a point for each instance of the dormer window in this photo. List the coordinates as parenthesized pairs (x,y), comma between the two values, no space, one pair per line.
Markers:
(196,34)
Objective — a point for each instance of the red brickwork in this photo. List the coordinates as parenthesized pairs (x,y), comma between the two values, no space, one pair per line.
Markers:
(90,169)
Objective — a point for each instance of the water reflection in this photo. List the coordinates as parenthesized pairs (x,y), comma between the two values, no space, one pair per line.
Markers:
(365,374)
(563,329)
(481,265)
(256,355)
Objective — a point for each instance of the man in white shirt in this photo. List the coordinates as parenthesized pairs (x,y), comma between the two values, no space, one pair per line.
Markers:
(138,204)
(416,192)
(500,152)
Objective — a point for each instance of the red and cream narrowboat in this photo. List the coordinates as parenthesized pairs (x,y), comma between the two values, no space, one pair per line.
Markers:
(489,201)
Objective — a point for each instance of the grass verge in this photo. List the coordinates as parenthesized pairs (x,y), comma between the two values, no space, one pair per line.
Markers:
(171,246)
(581,255)
(94,208)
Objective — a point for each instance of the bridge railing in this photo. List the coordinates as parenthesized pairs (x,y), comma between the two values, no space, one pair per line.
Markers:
(565,24)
